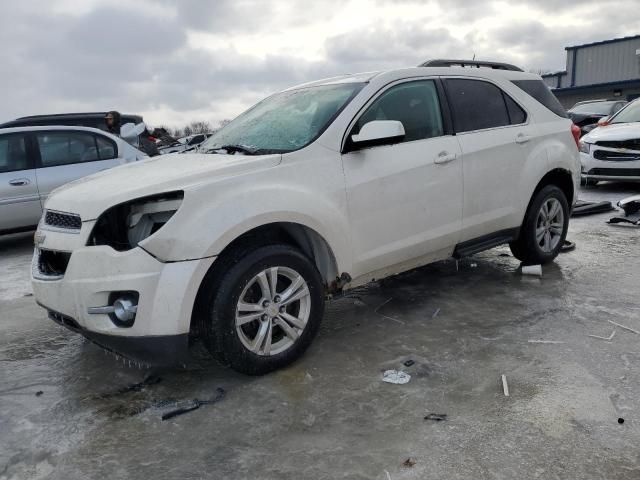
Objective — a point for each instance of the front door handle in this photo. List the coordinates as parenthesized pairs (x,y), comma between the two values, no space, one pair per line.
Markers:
(522,138)
(19,182)
(445,157)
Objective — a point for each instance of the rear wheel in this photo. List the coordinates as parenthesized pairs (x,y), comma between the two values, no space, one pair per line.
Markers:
(545,227)
(264,309)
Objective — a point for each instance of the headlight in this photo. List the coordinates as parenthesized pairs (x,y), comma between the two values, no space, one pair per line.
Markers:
(124,226)
(584,147)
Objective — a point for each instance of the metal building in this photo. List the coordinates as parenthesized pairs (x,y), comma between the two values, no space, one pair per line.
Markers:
(609,69)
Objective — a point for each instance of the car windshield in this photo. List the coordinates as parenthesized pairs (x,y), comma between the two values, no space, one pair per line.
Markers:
(598,108)
(283,122)
(629,114)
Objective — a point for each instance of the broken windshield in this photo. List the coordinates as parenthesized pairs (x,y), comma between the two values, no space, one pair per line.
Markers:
(283,122)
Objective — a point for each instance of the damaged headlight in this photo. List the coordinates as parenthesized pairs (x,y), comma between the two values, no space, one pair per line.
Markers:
(124,226)
(584,147)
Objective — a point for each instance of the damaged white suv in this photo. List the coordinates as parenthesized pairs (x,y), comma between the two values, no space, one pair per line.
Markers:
(316,189)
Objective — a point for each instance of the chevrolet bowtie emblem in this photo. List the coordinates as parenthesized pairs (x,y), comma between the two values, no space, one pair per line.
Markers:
(38,238)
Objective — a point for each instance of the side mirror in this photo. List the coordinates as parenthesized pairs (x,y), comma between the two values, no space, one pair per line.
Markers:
(379,132)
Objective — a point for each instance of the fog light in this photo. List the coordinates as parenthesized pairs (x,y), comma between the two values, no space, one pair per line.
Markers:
(124,309)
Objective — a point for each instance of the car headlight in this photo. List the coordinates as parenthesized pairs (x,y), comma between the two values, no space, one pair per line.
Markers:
(584,147)
(124,226)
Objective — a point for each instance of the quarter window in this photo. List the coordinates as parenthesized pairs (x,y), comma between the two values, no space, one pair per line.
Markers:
(415,104)
(13,153)
(64,148)
(106,148)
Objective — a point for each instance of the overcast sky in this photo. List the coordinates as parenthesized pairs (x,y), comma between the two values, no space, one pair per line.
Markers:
(177,61)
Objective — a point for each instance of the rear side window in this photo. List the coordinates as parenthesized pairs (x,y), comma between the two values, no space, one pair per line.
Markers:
(539,90)
(476,105)
(64,148)
(13,153)
(107,148)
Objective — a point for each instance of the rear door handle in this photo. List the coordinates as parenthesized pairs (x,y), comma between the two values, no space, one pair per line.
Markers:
(18,182)
(444,157)
(522,138)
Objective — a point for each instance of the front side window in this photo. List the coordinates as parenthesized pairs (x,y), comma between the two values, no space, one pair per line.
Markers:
(284,122)
(13,153)
(414,104)
(477,105)
(64,148)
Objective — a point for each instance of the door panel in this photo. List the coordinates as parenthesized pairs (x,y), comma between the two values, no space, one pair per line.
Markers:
(402,204)
(19,200)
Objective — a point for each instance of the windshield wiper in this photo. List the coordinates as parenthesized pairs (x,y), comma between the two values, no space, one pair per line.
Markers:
(234,149)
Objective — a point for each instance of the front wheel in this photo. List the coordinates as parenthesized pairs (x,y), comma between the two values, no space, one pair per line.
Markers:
(264,309)
(544,229)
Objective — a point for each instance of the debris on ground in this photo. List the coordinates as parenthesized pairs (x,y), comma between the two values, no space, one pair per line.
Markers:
(409,363)
(39,392)
(589,208)
(631,207)
(535,270)
(621,420)
(409,462)
(623,327)
(436,417)
(567,246)
(435,314)
(604,338)
(545,341)
(359,303)
(396,377)
(385,316)
(135,387)
(194,404)
(505,386)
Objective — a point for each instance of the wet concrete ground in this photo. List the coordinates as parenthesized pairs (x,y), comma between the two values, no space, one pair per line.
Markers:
(66,411)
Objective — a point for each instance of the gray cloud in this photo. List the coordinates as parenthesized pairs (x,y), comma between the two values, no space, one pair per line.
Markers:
(142,58)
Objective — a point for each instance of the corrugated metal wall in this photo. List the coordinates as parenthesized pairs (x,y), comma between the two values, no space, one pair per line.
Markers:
(610,62)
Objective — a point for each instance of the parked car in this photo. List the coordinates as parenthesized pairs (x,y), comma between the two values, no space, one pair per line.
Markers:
(315,190)
(612,151)
(586,114)
(185,143)
(36,160)
(88,119)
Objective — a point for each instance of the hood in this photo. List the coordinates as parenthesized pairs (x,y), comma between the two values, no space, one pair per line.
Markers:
(92,195)
(620,131)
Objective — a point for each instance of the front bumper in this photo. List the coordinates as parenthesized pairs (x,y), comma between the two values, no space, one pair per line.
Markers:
(164,350)
(166,293)
(623,171)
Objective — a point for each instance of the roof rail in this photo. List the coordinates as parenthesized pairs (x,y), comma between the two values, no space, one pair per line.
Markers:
(470,63)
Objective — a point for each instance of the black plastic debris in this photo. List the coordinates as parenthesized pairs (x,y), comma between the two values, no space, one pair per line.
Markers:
(408,363)
(194,404)
(436,417)
(621,420)
(567,246)
(39,392)
(409,462)
(589,208)
(631,207)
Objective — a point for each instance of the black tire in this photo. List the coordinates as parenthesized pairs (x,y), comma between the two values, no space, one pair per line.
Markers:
(221,292)
(526,248)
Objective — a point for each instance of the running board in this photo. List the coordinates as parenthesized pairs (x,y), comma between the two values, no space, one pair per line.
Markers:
(485,242)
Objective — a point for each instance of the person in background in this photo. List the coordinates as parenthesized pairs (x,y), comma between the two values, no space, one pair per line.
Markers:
(112,120)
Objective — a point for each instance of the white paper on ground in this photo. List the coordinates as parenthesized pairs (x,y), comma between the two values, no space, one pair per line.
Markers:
(396,376)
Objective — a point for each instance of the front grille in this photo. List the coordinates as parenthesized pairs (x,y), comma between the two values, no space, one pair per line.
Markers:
(630,144)
(52,264)
(69,221)
(616,156)
(615,172)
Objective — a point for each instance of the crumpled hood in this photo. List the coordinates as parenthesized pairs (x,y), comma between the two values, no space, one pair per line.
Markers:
(615,132)
(92,195)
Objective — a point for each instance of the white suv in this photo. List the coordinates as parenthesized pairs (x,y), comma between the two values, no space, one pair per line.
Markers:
(316,189)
